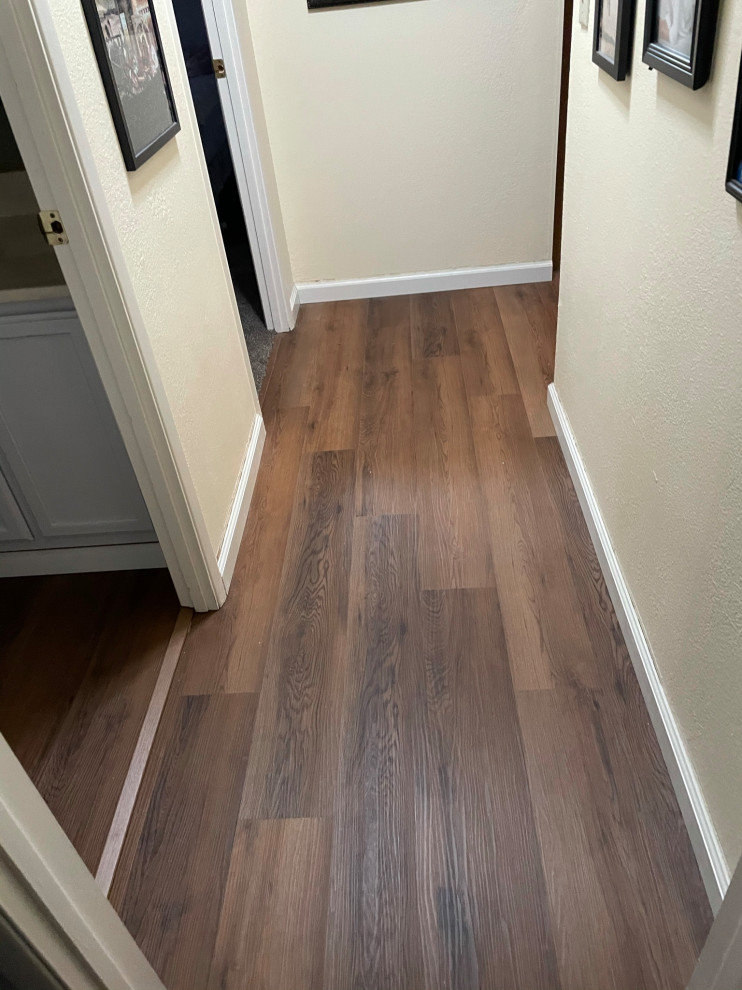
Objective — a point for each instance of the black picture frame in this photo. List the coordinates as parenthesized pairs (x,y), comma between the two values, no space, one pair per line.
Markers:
(734,169)
(618,67)
(692,70)
(120,81)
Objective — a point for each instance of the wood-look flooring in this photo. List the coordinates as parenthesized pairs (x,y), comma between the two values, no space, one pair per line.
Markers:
(80,655)
(410,751)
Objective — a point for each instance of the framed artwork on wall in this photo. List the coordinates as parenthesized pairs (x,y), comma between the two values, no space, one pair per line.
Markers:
(734,171)
(679,39)
(613,36)
(126,41)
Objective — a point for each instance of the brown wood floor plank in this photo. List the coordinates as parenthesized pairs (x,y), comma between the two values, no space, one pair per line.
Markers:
(616,924)
(485,355)
(291,772)
(404,814)
(294,365)
(173,869)
(271,933)
(226,650)
(484,907)
(49,629)
(386,451)
(433,325)
(335,405)
(454,539)
(627,731)
(614,669)
(373,931)
(522,318)
(545,629)
(86,761)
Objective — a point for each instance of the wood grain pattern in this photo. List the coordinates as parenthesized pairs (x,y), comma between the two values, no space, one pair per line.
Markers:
(272,928)
(485,356)
(294,363)
(435,768)
(49,630)
(236,637)
(532,348)
(294,759)
(433,325)
(484,916)
(173,869)
(86,761)
(454,539)
(386,458)
(373,931)
(334,408)
(606,890)
(547,638)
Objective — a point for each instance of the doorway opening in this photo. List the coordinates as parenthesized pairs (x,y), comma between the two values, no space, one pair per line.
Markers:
(562,135)
(225,186)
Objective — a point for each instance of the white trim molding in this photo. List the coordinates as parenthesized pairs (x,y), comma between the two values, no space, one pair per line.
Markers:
(408,285)
(77,560)
(49,896)
(239,114)
(711,860)
(294,306)
(241,503)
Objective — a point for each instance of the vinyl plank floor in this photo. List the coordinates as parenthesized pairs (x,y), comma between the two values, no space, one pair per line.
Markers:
(454,538)
(595,853)
(386,458)
(545,627)
(435,768)
(334,408)
(433,325)
(76,687)
(236,637)
(523,317)
(272,927)
(172,875)
(373,932)
(485,355)
(294,758)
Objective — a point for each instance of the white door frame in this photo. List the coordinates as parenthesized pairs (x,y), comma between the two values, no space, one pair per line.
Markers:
(50,897)
(41,106)
(239,120)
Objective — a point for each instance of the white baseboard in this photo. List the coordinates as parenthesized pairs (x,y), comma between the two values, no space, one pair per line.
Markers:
(80,560)
(407,285)
(294,304)
(241,503)
(711,860)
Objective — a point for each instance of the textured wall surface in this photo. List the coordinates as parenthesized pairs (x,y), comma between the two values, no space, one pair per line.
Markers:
(167,224)
(411,136)
(649,365)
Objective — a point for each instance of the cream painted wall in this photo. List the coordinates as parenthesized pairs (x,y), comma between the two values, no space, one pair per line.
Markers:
(167,223)
(414,136)
(649,367)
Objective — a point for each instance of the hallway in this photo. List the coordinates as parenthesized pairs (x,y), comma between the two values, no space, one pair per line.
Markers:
(411,751)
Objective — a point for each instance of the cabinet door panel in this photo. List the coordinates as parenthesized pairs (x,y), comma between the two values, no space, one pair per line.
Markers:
(12,524)
(58,433)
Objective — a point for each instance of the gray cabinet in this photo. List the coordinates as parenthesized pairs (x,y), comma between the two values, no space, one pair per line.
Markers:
(65,478)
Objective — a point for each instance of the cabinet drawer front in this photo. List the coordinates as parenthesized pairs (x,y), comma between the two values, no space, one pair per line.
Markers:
(58,434)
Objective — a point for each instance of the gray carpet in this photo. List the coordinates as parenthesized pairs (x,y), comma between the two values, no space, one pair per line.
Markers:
(258,338)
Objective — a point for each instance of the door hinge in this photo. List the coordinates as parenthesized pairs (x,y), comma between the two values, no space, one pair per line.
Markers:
(52,227)
(219,71)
